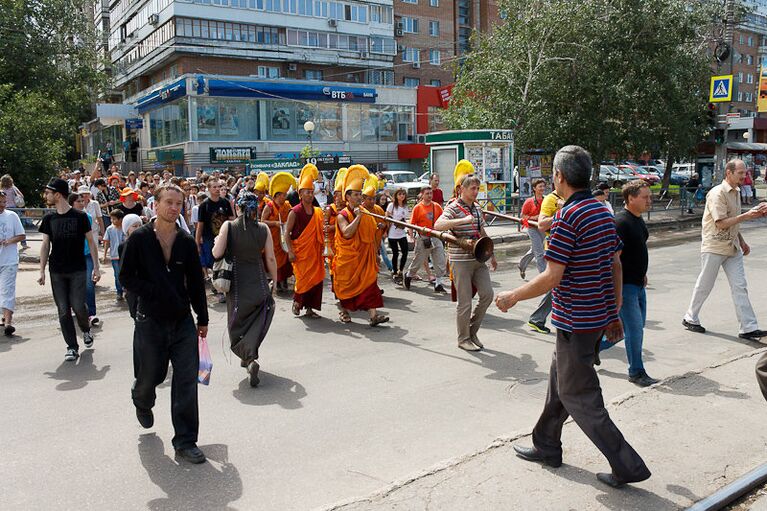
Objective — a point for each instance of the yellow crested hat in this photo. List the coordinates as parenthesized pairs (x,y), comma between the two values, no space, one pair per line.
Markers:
(355,178)
(371,186)
(308,174)
(262,182)
(462,169)
(340,176)
(281,183)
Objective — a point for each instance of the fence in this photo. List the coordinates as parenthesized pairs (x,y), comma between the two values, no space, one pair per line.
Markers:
(31,217)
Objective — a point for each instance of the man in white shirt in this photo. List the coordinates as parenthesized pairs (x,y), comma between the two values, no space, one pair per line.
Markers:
(94,210)
(11,233)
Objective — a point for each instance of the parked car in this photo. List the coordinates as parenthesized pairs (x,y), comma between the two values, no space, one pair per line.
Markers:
(674,179)
(639,173)
(425,178)
(686,169)
(403,179)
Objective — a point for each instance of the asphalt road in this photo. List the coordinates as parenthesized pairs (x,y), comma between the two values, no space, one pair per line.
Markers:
(342,410)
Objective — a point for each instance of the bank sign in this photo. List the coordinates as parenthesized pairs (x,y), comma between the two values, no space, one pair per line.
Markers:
(232,155)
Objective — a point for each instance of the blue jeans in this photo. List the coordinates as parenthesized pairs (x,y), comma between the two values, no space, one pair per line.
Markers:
(385,256)
(90,286)
(116,268)
(633,314)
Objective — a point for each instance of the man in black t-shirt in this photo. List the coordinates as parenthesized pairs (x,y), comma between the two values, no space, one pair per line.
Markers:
(634,260)
(64,234)
(211,215)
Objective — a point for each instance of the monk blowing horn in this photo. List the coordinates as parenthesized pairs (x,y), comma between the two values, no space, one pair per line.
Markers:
(522,221)
(482,249)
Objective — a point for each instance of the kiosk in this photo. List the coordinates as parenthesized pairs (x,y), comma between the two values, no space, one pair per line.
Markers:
(490,151)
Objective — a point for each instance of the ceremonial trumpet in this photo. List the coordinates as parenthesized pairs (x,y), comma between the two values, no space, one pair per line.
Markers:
(482,249)
(532,223)
(328,252)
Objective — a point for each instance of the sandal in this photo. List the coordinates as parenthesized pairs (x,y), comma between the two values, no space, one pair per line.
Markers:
(311,314)
(344,317)
(378,319)
(296,309)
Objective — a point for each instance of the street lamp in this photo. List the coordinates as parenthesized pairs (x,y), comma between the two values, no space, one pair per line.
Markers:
(309,128)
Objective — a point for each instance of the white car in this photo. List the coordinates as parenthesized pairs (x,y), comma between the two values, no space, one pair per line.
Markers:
(403,179)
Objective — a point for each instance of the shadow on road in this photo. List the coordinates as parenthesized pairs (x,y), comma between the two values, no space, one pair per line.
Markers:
(76,375)
(7,343)
(273,390)
(697,385)
(211,485)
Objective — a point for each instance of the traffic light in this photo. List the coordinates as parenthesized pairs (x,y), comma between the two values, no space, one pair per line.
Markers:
(711,115)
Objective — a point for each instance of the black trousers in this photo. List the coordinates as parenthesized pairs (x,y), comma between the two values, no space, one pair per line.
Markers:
(574,391)
(155,343)
(69,295)
(398,245)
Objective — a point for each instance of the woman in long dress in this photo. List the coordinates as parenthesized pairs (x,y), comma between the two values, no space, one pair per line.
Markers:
(250,305)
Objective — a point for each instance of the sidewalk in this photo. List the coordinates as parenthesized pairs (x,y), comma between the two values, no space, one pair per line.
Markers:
(697,432)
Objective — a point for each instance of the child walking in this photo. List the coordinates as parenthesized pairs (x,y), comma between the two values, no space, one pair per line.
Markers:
(113,237)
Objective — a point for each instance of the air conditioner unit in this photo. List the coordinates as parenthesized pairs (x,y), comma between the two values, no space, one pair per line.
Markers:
(363,54)
(421,139)
(416,65)
(332,22)
(154,19)
(397,32)
(292,66)
(399,25)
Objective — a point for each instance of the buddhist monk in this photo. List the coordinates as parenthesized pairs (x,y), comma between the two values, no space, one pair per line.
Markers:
(275,216)
(305,246)
(355,282)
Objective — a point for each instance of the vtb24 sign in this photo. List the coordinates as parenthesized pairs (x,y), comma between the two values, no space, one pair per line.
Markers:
(342,95)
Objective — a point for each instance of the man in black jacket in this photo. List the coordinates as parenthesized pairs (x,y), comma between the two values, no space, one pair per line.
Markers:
(161,267)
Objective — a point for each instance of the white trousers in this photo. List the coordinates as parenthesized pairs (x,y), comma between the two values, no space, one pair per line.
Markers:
(736,276)
(8,286)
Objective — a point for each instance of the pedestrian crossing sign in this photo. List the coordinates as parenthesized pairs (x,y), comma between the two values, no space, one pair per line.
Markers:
(721,89)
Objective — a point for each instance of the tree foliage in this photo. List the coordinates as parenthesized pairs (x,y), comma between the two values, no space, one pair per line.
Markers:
(49,79)
(617,77)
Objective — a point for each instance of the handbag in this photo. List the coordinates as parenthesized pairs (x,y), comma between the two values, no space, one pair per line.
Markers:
(19,199)
(223,269)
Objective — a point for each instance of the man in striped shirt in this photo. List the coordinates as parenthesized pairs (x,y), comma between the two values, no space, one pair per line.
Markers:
(584,274)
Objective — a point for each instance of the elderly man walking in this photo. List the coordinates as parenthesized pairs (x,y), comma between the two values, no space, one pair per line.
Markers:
(723,246)
(584,275)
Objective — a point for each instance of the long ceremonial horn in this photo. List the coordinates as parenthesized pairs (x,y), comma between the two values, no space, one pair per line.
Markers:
(482,249)
(509,217)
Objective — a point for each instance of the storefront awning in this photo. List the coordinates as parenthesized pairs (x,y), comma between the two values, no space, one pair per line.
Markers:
(163,95)
(747,146)
(273,90)
(412,151)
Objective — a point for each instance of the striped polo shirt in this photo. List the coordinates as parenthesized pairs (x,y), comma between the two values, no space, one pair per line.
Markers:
(584,239)
(459,209)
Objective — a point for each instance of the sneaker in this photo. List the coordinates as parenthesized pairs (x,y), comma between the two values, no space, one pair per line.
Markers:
(439,288)
(253,379)
(9,330)
(692,327)
(88,339)
(407,281)
(643,380)
(71,355)
(94,320)
(522,274)
(477,343)
(539,327)
(120,298)
(750,336)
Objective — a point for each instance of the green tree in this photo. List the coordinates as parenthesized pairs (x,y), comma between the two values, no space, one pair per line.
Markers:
(615,76)
(50,74)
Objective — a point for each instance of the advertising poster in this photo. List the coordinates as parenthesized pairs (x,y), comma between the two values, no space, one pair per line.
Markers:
(230,122)
(761,100)
(206,119)
(281,118)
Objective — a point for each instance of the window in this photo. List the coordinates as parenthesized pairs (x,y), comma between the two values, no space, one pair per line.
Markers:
(435,83)
(412,82)
(411,55)
(169,124)
(435,59)
(750,60)
(358,13)
(434,28)
(268,72)
(740,77)
(225,119)
(380,77)
(749,97)
(380,14)
(740,96)
(313,74)
(749,78)
(434,3)
(383,45)
(410,1)
(409,25)
(742,39)
(750,41)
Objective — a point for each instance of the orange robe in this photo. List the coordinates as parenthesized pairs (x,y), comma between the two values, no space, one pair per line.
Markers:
(308,247)
(355,278)
(284,268)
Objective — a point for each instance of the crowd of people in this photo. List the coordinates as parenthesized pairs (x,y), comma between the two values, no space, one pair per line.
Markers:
(167,238)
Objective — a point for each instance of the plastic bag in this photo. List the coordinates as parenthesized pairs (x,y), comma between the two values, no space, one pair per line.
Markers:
(206,363)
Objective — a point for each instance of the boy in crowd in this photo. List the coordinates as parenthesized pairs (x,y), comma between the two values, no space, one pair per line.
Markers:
(113,237)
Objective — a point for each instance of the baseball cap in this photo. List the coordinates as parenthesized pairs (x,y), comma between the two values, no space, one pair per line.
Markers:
(58,185)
